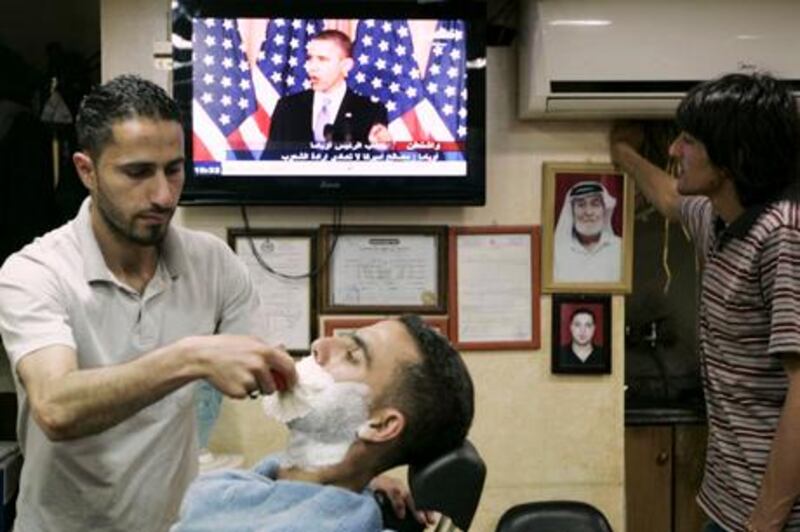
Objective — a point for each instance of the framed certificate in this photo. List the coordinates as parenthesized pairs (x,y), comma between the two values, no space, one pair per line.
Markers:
(338,326)
(494,287)
(383,269)
(282,263)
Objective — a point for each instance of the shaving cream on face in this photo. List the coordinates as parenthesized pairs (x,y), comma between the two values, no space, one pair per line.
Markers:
(323,436)
(298,401)
(323,416)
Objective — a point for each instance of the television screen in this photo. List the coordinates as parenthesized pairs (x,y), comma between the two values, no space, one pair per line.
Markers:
(376,102)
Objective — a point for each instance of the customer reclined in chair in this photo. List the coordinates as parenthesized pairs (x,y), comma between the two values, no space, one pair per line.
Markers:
(390,394)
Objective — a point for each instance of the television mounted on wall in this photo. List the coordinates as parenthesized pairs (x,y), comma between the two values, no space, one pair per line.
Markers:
(243,75)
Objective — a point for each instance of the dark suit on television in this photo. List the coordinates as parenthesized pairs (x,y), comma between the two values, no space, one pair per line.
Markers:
(292,120)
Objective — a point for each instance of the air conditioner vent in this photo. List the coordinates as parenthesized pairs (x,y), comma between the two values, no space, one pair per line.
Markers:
(608,58)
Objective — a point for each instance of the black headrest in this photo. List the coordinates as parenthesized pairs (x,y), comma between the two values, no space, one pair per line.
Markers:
(450,484)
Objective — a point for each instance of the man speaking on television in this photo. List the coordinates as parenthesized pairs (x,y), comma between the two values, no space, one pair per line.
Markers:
(329,112)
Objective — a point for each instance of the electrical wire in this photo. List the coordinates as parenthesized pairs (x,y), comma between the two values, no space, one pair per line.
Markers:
(337,224)
(672,168)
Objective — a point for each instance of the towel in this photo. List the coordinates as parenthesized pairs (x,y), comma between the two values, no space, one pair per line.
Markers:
(312,380)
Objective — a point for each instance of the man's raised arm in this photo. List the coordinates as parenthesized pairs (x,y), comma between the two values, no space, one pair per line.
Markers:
(657,185)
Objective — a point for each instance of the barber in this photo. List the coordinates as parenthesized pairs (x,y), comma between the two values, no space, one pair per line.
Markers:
(107,321)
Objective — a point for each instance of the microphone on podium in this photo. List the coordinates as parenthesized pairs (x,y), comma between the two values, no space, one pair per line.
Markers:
(348,127)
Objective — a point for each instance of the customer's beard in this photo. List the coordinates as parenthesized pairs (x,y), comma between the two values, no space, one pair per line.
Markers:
(323,436)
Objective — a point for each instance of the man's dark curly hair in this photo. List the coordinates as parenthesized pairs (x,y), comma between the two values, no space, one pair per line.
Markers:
(435,394)
(122,98)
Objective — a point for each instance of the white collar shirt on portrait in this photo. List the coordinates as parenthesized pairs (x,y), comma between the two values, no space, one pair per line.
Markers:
(575,263)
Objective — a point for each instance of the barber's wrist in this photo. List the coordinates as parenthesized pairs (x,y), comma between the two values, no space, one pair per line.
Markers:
(192,358)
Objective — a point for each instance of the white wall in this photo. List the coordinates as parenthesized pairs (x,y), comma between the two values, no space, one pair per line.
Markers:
(542,436)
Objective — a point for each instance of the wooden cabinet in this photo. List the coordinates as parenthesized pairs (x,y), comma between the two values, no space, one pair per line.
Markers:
(663,470)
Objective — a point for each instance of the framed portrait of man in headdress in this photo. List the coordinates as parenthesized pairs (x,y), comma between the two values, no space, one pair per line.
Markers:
(587,221)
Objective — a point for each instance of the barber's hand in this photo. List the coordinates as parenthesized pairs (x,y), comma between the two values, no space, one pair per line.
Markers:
(242,366)
(625,133)
(400,498)
(379,134)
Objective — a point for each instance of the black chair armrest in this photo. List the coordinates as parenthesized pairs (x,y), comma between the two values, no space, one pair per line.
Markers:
(451,485)
(390,519)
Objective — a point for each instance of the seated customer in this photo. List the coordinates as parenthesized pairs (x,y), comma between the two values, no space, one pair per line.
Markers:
(396,393)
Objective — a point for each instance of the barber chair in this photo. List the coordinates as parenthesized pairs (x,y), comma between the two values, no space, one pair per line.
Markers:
(451,485)
(553,516)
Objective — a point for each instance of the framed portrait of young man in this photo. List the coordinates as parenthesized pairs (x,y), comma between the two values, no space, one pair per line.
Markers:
(581,341)
(587,228)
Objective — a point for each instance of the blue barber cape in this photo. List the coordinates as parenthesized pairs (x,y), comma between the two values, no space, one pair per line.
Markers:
(255,501)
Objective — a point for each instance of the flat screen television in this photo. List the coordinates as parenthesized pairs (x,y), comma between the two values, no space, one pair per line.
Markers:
(249,80)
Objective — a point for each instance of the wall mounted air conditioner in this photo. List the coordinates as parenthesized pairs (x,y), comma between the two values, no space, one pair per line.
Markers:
(637,58)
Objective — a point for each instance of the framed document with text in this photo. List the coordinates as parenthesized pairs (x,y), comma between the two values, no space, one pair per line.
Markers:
(337,326)
(383,269)
(494,287)
(282,263)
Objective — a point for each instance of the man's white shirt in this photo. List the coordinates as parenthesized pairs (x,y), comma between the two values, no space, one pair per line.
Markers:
(573,262)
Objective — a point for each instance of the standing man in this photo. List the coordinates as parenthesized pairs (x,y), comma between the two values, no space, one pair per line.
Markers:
(736,192)
(107,319)
(586,248)
(329,111)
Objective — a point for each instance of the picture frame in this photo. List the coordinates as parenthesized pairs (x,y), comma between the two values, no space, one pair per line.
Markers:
(334,326)
(581,334)
(288,292)
(587,228)
(495,287)
(389,269)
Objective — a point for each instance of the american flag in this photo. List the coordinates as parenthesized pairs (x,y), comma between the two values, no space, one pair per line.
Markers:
(421,106)
(281,63)
(283,55)
(279,71)
(224,104)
